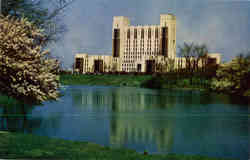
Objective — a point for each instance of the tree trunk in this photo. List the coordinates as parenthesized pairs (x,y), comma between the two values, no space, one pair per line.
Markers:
(4,118)
(0,7)
(197,64)
(24,117)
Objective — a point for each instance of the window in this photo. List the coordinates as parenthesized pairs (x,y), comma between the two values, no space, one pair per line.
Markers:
(116,33)
(116,43)
(142,33)
(128,34)
(164,41)
(156,33)
(149,33)
(135,33)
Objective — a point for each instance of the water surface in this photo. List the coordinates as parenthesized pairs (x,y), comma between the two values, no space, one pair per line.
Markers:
(159,121)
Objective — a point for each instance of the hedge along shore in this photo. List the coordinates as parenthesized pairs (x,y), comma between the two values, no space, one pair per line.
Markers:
(27,146)
(127,80)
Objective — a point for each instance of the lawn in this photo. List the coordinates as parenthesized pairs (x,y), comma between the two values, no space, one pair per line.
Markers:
(107,80)
(145,81)
(27,146)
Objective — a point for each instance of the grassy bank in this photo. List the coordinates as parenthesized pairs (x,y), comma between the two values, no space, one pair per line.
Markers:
(25,146)
(146,81)
(107,80)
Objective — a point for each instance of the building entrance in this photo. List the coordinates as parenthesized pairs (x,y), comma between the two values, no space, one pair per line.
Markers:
(98,66)
(79,64)
(138,67)
(150,66)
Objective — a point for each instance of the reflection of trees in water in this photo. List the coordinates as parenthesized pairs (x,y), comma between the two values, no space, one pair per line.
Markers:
(205,98)
(194,98)
(187,98)
(15,119)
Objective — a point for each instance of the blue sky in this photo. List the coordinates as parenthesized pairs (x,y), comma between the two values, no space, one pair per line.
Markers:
(224,25)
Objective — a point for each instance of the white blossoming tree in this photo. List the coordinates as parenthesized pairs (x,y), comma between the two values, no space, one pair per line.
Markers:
(26,72)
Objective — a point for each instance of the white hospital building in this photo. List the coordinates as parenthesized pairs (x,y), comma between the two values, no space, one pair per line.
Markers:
(137,48)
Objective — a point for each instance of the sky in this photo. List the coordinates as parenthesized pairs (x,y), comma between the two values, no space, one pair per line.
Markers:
(223,25)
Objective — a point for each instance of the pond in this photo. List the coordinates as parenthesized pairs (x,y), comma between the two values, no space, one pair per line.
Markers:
(159,121)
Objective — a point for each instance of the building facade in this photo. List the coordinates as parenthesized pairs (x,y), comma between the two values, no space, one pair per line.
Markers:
(136,48)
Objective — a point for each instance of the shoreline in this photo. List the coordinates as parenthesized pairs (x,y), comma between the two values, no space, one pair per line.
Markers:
(130,81)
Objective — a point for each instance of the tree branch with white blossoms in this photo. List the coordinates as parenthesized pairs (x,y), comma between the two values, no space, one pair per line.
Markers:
(26,72)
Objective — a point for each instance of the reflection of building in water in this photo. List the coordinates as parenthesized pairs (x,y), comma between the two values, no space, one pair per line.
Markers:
(122,98)
(142,129)
(131,121)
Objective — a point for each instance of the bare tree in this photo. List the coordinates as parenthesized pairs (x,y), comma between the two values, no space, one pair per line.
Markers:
(159,67)
(187,52)
(47,19)
(200,52)
(105,67)
(170,64)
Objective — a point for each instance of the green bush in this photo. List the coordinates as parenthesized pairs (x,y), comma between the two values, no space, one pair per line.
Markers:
(233,77)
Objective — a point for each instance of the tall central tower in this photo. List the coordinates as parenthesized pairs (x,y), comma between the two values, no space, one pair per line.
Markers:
(168,35)
(119,24)
(139,48)
(154,39)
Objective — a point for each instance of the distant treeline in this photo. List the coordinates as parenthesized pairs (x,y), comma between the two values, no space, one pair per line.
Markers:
(232,77)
